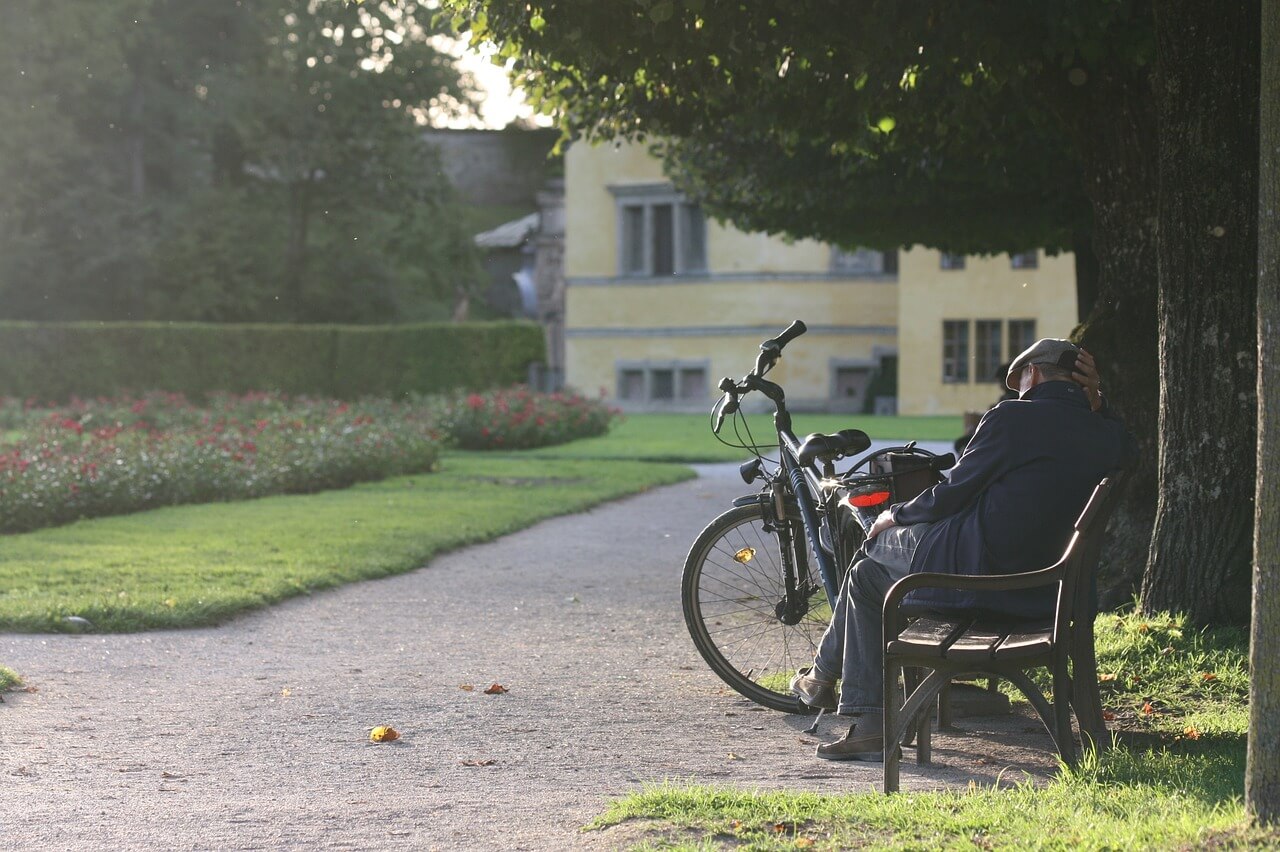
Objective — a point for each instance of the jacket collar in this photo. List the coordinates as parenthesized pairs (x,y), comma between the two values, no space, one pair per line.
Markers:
(1062,391)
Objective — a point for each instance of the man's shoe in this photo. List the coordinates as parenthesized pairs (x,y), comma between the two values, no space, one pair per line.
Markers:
(855,746)
(818,694)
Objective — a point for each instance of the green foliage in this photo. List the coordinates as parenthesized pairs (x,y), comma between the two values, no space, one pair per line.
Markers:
(54,361)
(517,419)
(226,161)
(8,678)
(187,566)
(864,123)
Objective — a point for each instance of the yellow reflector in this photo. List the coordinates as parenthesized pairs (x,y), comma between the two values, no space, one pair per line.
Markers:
(745,555)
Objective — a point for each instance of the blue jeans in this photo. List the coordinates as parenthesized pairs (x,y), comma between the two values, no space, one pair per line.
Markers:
(851,648)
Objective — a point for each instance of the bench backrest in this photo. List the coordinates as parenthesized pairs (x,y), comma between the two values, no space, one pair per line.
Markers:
(1078,599)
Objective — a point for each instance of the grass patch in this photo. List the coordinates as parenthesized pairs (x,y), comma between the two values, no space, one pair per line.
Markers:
(198,565)
(688,438)
(1175,779)
(8,679)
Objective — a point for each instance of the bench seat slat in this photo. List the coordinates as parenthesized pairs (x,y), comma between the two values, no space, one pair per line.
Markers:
(976,643)
(927,637)
(1027,643)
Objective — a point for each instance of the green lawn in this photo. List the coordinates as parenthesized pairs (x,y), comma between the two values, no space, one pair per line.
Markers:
(1174,782)
(688,438)
(196,565)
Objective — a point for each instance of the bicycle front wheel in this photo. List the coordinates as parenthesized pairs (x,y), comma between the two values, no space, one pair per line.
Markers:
(734,595)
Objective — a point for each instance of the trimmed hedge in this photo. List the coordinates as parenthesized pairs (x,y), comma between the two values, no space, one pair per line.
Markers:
(55,361)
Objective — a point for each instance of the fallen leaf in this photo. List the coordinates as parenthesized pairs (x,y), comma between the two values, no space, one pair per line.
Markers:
(1108,716)
(733,756)
(1105,678)
(496,689)
(466,687)
(1191,733)
(736,824)
(1147,709)
(286,692)
(384,734)
(1207,677)
(804,841)
(30,689)
(1144,627)
(487,761)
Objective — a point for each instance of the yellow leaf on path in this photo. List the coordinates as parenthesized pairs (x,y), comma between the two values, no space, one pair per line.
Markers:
(496,689)
(286,692)
(466,687)
(384,734)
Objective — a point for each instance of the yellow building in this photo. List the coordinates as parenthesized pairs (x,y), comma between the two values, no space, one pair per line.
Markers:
(660,303)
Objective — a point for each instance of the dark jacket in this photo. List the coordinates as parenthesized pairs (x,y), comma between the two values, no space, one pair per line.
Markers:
(1013,498)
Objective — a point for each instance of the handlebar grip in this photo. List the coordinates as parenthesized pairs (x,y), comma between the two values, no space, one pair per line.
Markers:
(946,461)
(791,332)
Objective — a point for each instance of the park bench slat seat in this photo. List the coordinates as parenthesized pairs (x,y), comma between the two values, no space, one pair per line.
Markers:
(932,649)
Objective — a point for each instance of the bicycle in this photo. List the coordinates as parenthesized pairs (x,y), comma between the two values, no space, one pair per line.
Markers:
(753,602)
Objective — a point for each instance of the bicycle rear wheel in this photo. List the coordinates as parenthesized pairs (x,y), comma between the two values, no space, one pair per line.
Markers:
(732,592)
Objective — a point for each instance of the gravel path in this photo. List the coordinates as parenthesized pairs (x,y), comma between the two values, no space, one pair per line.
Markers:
(255,734)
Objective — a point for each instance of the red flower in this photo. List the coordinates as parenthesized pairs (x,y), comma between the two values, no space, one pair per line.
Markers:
(475,401)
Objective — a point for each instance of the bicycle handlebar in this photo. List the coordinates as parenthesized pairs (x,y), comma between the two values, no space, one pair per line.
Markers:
(770,352)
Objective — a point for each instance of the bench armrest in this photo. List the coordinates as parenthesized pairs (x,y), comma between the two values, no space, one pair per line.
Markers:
(963,582)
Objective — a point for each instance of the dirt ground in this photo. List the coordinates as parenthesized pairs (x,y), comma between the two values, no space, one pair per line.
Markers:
(255,734)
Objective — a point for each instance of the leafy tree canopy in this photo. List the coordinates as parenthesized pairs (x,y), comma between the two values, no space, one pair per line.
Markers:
(213,159)
(874,123)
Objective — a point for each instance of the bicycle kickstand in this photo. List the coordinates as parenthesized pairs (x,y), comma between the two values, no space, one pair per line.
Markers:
(813,729)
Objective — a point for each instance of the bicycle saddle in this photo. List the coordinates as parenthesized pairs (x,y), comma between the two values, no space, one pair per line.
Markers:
(846,442)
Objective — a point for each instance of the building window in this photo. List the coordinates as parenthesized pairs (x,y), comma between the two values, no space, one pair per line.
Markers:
(955,351)
(952,261)
(986,351)
(863,261)
(693,383)
(1025,260)
(659,234)
(1022,333)
(662,383)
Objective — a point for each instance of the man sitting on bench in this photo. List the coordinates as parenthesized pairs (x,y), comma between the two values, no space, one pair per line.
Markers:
(1008,507)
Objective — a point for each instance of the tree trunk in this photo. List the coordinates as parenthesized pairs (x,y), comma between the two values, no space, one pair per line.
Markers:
(1207,250)
(137,137)
(1115,131)
(1262,772)
(1086,275)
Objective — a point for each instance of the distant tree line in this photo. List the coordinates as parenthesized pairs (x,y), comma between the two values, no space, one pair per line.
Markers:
(226,161)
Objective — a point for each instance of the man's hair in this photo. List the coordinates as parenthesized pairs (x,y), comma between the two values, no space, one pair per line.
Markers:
(1053,373)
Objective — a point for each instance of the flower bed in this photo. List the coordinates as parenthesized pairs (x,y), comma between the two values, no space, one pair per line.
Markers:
(111,457)
(517,419)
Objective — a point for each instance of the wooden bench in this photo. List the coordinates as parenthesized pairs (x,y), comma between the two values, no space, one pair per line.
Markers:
(931,650)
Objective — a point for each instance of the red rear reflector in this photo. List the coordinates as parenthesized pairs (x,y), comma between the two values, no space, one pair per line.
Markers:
(875,498)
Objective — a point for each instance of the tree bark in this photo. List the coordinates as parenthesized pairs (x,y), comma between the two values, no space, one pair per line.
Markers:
(1207,251)
(1086,275)
(1113,122)
(1262,772)
(296,250)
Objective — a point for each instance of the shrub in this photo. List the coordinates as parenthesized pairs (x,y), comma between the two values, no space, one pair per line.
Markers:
(110,457)
(517,418)
(55,361)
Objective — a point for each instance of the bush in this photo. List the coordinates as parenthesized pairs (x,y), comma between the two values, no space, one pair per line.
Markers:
(52,362)
(516,419)
(111,457)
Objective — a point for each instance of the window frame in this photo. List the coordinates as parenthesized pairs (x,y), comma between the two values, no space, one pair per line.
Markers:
(679,370)
(960,355)
(688,231)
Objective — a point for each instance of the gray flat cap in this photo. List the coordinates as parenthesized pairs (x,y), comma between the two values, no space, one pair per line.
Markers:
(1048,350)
